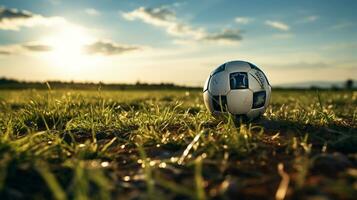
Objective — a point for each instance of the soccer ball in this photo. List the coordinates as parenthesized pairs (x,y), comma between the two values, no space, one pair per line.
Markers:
(239,88)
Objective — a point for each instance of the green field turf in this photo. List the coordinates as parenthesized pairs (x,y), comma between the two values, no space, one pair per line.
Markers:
(67,144)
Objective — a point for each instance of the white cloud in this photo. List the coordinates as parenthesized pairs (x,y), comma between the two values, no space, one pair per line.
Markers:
(277,25)
(165,18)
(92,12)
(243,20)
(13,19)
(108,48)
(37,47)
(226,36)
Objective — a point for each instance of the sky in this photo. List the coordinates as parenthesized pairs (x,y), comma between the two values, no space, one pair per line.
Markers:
(176,41)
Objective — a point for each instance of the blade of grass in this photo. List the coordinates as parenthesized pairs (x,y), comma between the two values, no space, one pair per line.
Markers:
(50,179)
(284,183)
(200,191)
(189,147)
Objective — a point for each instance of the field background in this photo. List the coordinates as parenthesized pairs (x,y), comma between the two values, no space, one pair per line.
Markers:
(73,144)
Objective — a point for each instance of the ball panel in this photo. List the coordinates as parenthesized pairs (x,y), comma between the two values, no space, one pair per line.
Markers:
(259,99)
(237,66)
(219,84)
(205,87)
(221,68)
(254,83)
(262,78)
(259,77)
(208,101)
(239,101)
(238,80)
(254,67)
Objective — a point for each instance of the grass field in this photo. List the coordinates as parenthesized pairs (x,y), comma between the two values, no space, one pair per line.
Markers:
(66,144)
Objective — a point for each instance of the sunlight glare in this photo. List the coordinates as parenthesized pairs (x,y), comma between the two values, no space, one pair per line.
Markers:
(68,49)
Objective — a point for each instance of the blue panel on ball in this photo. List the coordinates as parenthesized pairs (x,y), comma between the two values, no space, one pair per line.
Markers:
(238,80)
(259,99)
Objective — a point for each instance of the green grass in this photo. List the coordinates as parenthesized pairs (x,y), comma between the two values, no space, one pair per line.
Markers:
(64,144)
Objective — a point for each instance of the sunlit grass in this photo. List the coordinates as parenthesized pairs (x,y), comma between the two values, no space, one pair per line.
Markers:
(165,145)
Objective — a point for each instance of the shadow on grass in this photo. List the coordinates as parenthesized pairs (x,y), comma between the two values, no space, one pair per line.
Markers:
(342,138)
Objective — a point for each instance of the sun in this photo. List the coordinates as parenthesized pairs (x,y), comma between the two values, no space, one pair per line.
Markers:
(68,49)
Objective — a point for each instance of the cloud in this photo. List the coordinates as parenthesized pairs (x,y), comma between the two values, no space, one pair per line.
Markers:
(16,49)
(227,35)
(13,19)
(156,16)
(37,47)
(165,18)
(5,52)
(243,20)
(108,48)
(103,47)
(277,25)
(92,12)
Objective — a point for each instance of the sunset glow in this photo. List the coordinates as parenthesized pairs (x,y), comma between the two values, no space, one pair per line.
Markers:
(176,42)
(67,48)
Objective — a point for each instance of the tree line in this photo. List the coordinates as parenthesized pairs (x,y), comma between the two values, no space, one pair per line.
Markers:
(6,83)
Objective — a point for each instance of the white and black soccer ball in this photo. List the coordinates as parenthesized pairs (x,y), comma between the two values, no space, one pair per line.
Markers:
(239,88)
